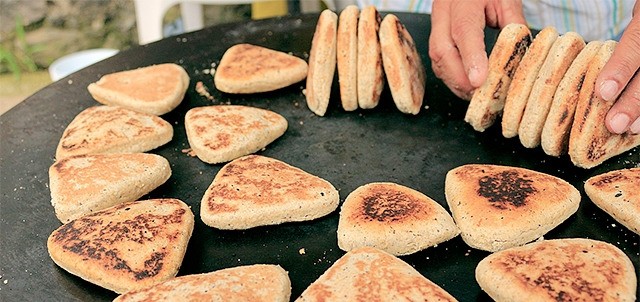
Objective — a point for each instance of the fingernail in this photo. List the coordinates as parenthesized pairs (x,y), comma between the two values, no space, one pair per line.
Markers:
(474,76)
(635,127)
(620,123)
(608,90)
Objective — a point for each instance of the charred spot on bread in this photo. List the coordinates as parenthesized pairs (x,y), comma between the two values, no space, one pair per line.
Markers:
(504,188)
(517,54)
(385,205)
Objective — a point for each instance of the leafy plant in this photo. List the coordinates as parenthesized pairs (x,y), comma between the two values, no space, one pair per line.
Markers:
(18,56)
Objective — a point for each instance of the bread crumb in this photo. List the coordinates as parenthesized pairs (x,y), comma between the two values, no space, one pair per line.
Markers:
(70,82)
(189,152)
(301,123)
(202,90)
(302,251)
(5,281)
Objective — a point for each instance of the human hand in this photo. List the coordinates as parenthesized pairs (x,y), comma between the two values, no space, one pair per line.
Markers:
(620,77)
(456,43)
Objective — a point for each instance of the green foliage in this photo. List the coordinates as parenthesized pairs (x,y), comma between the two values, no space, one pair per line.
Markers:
(17,54)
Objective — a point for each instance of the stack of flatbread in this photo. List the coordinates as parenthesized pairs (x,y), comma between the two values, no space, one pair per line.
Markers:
(127,247)
(540,86)
(559,270)
(393,218)
(369,274)
(155,89)
(498,207)
(365,47)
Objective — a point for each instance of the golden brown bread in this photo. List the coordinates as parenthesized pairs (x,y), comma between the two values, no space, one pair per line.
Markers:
(562,53)
(559,270)
(322,63)
(369,274)
(112,129)
(488,100)
(221,133)
(256,190)
(618,193)
(555,133)
(84,184)
(347,52)
(590,142)
(402,65)
(370,71)
(126,247)
(155,89)
(260,282)
(523,79)
(392,218)
(247,68)
(498,207)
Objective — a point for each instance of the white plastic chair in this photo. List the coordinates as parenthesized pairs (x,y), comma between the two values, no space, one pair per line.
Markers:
(150,13)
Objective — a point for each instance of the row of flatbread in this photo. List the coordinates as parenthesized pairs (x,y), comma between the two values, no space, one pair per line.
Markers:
(544,90)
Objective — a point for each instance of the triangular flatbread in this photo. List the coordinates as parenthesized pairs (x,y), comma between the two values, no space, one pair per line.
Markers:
(255,190)
(498,207)
(112,129)
(247,68)
(155,89)
(370,70)
(369,274)
(618,193)
(590,142)
(84,184)
(347,56)
(259,283)
(322,63)
(225,132)
(559,270)
(127,247)
(393,218)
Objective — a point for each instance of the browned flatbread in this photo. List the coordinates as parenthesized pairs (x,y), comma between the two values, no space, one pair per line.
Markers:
(222,133)
(618,193)
(247,68)
(488,100)
(259,283)
(392,218)
(370,70)
(402,65)
(590,142)
(498,207)
(322,63)
(84,184)
(155,89)
(111,129)
(255,190)
(369,274)
(127,247)
(573,269)
(555,133)
(347,52)
(562,53)
(523,79)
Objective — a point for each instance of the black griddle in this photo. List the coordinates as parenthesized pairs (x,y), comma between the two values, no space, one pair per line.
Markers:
(348,149)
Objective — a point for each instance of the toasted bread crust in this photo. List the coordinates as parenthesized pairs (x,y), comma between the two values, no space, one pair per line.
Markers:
(523,79)
(102,248)
(155,89)
(488,100)
(562,53)
(260,282)
(111,129)
(590,142)
(247,68)
(402,64)
(347,57)
(322,63)
(370,67)
(559,270)
(256,190)
(616,192)
(392,218)
(84,184)
(221,133)
(498,207)
(369,274)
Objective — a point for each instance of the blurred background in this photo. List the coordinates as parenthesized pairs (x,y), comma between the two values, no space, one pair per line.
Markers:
(36,33)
